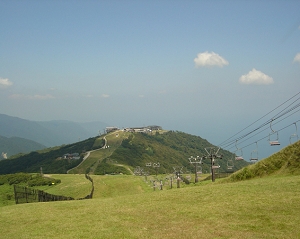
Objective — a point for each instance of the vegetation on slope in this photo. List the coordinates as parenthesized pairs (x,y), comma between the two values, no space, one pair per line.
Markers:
(51,160)
(286,161)
(23,179)
(170,149)
(123,153)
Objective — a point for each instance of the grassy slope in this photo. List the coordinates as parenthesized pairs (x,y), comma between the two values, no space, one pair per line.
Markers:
(286,161)
(259,208)
(98,155)
(76,186)
(264,207)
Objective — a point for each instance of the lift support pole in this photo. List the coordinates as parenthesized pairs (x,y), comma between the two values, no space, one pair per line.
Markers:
(212,154)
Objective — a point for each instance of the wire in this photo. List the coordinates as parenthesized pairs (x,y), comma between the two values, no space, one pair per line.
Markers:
(266,129)
(259,119)
(286,110)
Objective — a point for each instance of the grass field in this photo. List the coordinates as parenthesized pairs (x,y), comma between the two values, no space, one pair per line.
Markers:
(76,186)
(259,208)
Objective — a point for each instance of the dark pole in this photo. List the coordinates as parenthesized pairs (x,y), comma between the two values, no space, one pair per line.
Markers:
(212,170)
(196,175)
(195,161)
(212,154)
(178,182)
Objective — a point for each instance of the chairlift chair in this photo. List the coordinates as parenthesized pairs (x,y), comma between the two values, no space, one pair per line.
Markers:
(238,153)
(199,171)
(273,142)
(295,135)
(215,165)
(254,155)
(230,164)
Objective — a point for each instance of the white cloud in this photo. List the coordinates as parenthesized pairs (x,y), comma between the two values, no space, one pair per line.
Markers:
(104,95)
(297,58)
(4,83)
(31,97)
(209,59)
(256,77)
(42,97)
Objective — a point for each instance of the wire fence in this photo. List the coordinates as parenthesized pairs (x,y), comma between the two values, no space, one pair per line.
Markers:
(29,195)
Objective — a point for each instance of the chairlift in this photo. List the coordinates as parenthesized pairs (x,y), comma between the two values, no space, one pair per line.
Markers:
(199,170)
(238,153)
(230,164)
(295,135)
(215,164)
(254,155)
(273,141)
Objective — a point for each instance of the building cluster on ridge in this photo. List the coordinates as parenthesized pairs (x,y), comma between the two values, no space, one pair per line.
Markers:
(145,129)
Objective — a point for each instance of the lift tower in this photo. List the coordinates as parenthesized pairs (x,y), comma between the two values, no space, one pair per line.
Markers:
(212,154)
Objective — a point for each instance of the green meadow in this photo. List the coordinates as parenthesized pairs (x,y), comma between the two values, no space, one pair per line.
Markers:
(259,208)
(259,201)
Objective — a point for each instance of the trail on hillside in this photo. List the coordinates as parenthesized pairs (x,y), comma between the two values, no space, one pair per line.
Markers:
(88,154)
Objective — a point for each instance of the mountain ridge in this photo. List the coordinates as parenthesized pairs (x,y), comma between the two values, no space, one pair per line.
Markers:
(46,133)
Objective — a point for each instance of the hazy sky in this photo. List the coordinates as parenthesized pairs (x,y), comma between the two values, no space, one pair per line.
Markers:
(209,68)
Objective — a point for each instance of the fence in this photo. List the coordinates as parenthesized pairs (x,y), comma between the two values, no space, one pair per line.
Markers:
(89,196)
(28,195)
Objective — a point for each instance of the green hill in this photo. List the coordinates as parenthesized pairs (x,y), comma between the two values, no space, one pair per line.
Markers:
(51,160)
(124,152)
(260,208)
(126,206)
(286,161)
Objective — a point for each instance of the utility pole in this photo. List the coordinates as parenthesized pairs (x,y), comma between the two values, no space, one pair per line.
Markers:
(195,161)
(156,166)
(212,154)
(177,172)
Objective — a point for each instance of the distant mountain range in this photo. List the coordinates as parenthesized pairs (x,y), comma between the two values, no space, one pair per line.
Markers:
(22,136)
(16,145)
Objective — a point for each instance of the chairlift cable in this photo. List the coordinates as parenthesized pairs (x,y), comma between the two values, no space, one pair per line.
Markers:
(268,136)
(264,129)
(267,122)
(259,119)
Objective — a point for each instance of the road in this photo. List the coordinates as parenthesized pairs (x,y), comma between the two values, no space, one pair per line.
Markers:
(88,154)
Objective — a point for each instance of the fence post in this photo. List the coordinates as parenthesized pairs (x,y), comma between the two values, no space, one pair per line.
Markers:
(16,197)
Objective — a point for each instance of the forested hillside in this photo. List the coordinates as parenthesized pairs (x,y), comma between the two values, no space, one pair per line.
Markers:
(169,149)
(51,160)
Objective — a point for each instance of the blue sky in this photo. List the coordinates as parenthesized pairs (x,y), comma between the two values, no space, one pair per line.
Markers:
(209,68)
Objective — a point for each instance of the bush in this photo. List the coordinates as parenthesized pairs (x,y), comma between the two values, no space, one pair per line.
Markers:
(41,181)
